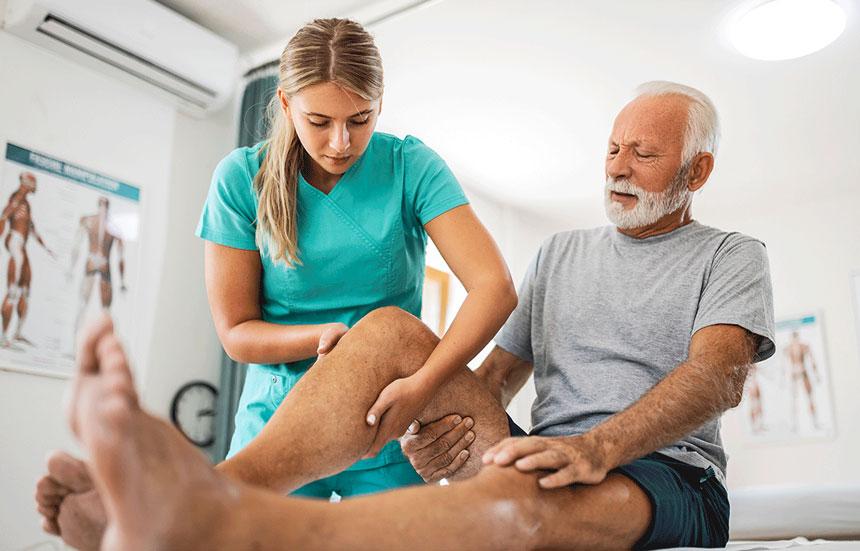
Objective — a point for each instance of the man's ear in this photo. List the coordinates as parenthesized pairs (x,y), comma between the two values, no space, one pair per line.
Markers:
(700,170)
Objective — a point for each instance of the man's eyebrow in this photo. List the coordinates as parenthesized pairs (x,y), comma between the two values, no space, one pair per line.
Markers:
(637,144)
(362,113)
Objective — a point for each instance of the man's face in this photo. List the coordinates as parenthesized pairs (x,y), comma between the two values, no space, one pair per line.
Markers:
(644,176)
(333,124)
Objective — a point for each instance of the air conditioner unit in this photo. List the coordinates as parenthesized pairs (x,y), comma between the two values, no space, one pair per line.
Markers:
(139,41)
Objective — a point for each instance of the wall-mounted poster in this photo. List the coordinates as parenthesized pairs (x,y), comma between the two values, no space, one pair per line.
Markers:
(69,250)
(788,396)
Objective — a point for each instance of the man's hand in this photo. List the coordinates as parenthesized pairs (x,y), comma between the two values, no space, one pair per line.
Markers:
(440,448)
(330,337)
(573,458)
(397,406)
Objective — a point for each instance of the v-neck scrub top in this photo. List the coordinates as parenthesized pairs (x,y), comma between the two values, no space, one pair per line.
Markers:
(361,246)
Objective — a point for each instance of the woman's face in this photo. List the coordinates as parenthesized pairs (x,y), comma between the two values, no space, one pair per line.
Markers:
(333,124)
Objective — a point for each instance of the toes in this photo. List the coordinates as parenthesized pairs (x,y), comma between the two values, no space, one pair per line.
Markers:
(49,492)
(50,526)
(49,512)
(69,472)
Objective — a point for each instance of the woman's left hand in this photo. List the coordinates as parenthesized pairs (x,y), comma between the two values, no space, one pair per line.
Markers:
(397,406)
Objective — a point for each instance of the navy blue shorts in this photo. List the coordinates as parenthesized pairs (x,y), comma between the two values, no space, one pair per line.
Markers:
(690,505)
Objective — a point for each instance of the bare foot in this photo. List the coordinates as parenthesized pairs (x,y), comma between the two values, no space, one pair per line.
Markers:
(159,492)
(82,521)
(68,502)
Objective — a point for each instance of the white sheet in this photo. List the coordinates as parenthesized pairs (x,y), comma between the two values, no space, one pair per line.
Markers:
(791,511)
(797,543)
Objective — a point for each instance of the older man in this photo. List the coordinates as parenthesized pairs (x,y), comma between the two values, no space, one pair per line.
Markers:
(640,336)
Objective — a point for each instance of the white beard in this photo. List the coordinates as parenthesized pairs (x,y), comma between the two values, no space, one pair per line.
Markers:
(650,205)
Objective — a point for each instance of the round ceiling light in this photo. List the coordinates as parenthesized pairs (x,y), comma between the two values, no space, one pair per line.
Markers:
(787,29)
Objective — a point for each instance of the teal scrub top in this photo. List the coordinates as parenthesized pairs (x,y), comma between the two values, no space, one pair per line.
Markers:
(362,246)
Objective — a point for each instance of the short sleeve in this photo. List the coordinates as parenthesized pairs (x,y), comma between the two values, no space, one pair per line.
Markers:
(738,292)
(516,334)
(230,212)
(431,188)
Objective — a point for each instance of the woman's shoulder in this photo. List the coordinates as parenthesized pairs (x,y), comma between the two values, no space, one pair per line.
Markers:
(409,148)
(242,162)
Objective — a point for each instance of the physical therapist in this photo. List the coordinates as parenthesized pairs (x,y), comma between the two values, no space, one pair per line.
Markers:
(327,220)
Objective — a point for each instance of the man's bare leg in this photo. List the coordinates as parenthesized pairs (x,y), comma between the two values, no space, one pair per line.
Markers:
(320,429)
(160,493)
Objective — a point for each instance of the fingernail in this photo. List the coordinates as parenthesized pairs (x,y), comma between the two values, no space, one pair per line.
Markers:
(413,427)
(470,435)
(371,419)
(469,422)
(488,458)
(457,420)
(464,453)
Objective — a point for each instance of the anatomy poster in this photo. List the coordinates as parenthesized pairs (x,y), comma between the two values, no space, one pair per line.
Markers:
(788,396)
(69,251)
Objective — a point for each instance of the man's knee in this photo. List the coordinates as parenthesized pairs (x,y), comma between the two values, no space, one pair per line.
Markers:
(515,501)
(393,326)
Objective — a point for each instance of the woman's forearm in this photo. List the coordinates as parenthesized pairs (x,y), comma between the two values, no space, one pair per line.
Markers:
(261,342)
(480,317)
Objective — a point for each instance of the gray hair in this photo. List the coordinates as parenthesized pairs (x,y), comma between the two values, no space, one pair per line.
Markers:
(703,123)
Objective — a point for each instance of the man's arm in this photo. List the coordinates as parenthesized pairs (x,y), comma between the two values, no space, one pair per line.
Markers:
(708,383)
(504,374)
(40,241)
(431,448)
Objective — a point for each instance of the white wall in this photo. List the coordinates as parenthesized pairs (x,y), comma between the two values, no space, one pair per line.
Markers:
(73,113)
(813,246)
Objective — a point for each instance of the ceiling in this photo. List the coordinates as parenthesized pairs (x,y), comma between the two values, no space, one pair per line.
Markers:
(252,24)
(519,96)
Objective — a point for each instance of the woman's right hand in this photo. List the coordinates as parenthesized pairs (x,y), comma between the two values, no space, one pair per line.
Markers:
(330,336)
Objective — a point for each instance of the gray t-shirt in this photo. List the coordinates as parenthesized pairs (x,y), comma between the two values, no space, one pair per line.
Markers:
(604,317)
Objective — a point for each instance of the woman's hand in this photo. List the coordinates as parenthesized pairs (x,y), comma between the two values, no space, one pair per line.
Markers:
(330,337)
(397,406)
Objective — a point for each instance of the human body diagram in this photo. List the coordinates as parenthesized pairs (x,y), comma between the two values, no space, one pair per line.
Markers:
(102,239)
(19,273)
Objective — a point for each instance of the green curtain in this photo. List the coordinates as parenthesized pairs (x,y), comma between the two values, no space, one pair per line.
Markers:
(252,129)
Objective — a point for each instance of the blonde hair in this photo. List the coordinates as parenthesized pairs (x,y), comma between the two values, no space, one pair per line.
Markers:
(325,50)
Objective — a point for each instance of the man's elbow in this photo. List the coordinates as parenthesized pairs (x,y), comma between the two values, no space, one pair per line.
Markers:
(737,379)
